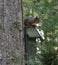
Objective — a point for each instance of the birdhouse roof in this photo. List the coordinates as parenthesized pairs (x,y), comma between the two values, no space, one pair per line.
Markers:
(32,33)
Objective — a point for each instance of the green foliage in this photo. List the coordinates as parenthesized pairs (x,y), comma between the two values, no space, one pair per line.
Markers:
(48,54)
(48,13)
(29,62)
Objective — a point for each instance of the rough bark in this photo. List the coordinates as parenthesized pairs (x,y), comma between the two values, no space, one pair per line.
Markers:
(11,32)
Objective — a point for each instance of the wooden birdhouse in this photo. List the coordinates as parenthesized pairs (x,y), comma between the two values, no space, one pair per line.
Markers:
(30,35)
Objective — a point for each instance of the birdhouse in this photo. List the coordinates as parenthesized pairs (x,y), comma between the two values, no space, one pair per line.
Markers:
(30,35)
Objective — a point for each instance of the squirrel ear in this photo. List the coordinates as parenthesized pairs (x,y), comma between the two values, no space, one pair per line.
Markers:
(37,17)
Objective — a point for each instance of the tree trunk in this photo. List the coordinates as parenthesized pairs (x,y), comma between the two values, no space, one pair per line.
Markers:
(11,32)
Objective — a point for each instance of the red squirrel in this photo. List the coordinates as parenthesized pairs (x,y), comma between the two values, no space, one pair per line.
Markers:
(29,22)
